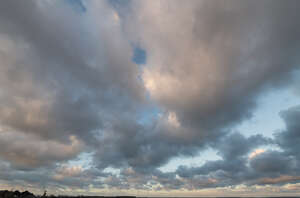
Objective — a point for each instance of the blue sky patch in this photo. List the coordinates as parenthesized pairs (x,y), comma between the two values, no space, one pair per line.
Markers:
(139,56)
(77,5)
(148,116)
(118,3)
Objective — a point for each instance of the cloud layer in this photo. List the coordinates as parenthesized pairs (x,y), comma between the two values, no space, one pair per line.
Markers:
(69,86)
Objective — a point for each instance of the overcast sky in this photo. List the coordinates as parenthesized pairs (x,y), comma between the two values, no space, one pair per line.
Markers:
(150,98)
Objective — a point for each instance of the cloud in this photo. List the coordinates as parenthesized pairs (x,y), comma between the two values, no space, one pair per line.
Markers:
(281,179)
(232,169)
(29,152)
(274,162)
(207,61)
(66,171)
(66,79)
(288,139)
(244,162)
(68,85)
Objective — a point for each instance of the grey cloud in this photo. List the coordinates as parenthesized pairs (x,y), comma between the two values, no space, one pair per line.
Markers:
(289,138)
(55,177)
(236,145)
(216,55)
(209,89)
(63,79)
(29,152)
(68,67)
(268,167)
(207,62)
(274,162)
(279,180)
(232,169)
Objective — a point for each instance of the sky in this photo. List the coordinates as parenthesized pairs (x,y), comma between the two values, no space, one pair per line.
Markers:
(150,98)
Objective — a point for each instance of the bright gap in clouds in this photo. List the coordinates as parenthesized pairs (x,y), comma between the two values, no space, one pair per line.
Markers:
(77,5)
(148,116)
(139,56)
(195,161)
(266,119)
(84,160)
(111,170)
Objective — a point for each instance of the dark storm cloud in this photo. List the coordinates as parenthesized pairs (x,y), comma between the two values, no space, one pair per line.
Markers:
(68,85)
